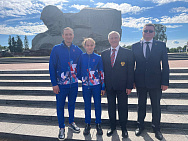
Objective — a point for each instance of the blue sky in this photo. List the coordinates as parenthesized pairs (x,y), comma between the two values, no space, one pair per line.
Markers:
(22,17)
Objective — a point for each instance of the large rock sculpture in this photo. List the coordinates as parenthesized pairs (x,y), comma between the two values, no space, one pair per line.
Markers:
(89,22)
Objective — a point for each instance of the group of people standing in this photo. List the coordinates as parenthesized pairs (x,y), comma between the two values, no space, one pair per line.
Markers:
(116,72)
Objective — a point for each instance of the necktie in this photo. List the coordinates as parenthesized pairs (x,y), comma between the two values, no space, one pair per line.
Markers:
(147,50)
(113,57)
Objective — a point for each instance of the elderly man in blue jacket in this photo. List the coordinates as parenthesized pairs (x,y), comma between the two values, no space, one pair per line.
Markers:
(62,67)
(150,77)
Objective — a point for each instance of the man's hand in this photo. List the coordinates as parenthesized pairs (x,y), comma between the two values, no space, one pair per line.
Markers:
(102,92)
(128,91)
(56,89)
(164,88)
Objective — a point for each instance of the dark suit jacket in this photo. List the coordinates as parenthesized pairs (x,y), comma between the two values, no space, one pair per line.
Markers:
(148,73)
(121,76)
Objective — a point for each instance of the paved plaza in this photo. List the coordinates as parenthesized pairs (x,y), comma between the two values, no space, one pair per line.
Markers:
(28,113)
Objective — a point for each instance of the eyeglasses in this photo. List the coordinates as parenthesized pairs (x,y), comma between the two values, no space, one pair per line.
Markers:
(150,31)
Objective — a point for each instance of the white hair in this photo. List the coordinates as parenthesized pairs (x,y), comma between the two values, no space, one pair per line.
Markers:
(112,32)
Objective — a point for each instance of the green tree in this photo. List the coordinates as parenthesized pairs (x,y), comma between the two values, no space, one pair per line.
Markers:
(168,50)
(128,47)
(19,47)
(26,43)
(173,50)
(10,44)
(179,49)
(1,47)
(160,32)
(13,45)
(184,48)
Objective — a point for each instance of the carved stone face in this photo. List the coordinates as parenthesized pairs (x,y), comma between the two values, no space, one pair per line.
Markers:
(54,27)
(51,17)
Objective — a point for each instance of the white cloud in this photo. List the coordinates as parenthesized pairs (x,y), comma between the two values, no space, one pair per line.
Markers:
(179,9)
(124,7)
(156,20)
(59,3)
(91,0)
(53,2)
(140,22)
(79,7)
(136,23)
(18,8)
(173,26)
(23,29)
(160,2)
(176,43)
(99,4)
(182,18)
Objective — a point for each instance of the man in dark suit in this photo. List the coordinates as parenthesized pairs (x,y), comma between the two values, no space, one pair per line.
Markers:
(118,68)
(150,77)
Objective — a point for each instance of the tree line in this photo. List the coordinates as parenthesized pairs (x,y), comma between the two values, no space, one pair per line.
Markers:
(169,50)
(16,44)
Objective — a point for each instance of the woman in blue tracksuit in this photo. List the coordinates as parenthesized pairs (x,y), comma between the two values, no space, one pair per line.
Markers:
(90,71)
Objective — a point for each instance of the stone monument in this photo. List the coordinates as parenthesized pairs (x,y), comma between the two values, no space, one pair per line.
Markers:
(89,22)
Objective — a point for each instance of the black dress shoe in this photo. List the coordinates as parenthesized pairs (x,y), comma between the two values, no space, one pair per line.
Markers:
(158,135)
(87,129)
(138,131)
(110,132)
(99,129)
(125,134)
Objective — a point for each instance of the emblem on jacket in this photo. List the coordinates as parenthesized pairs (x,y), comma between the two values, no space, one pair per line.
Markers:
(122,64)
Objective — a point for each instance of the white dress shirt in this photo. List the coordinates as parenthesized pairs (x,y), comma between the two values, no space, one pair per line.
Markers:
(117,48)
(143,43)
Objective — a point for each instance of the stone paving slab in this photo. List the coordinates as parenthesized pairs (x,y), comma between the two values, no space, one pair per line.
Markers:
(166,117)
(170,90)
(40,131)
(42,75)
(52,132)
(26,66)
(170,81)
(52,98)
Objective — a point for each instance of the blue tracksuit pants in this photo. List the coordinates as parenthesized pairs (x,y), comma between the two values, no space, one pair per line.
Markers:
(60,103)
(87,94)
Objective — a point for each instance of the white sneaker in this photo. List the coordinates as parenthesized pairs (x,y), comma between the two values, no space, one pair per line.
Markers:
(61,135)
(74,127)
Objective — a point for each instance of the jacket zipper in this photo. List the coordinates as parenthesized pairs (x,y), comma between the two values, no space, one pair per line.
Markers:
(88,70)
(70,68)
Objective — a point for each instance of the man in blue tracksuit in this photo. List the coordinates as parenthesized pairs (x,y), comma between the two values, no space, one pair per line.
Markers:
(90,71)
(62,67)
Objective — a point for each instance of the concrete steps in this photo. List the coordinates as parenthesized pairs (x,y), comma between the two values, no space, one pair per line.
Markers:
(41,78)
(177,56)
(45,59)
(47,91)
(27,132)
(47,83)
(171,105)
(25,60)
(28,109)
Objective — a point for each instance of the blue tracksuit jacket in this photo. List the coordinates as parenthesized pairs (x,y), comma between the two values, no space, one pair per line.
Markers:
(90,70)
(62,65)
